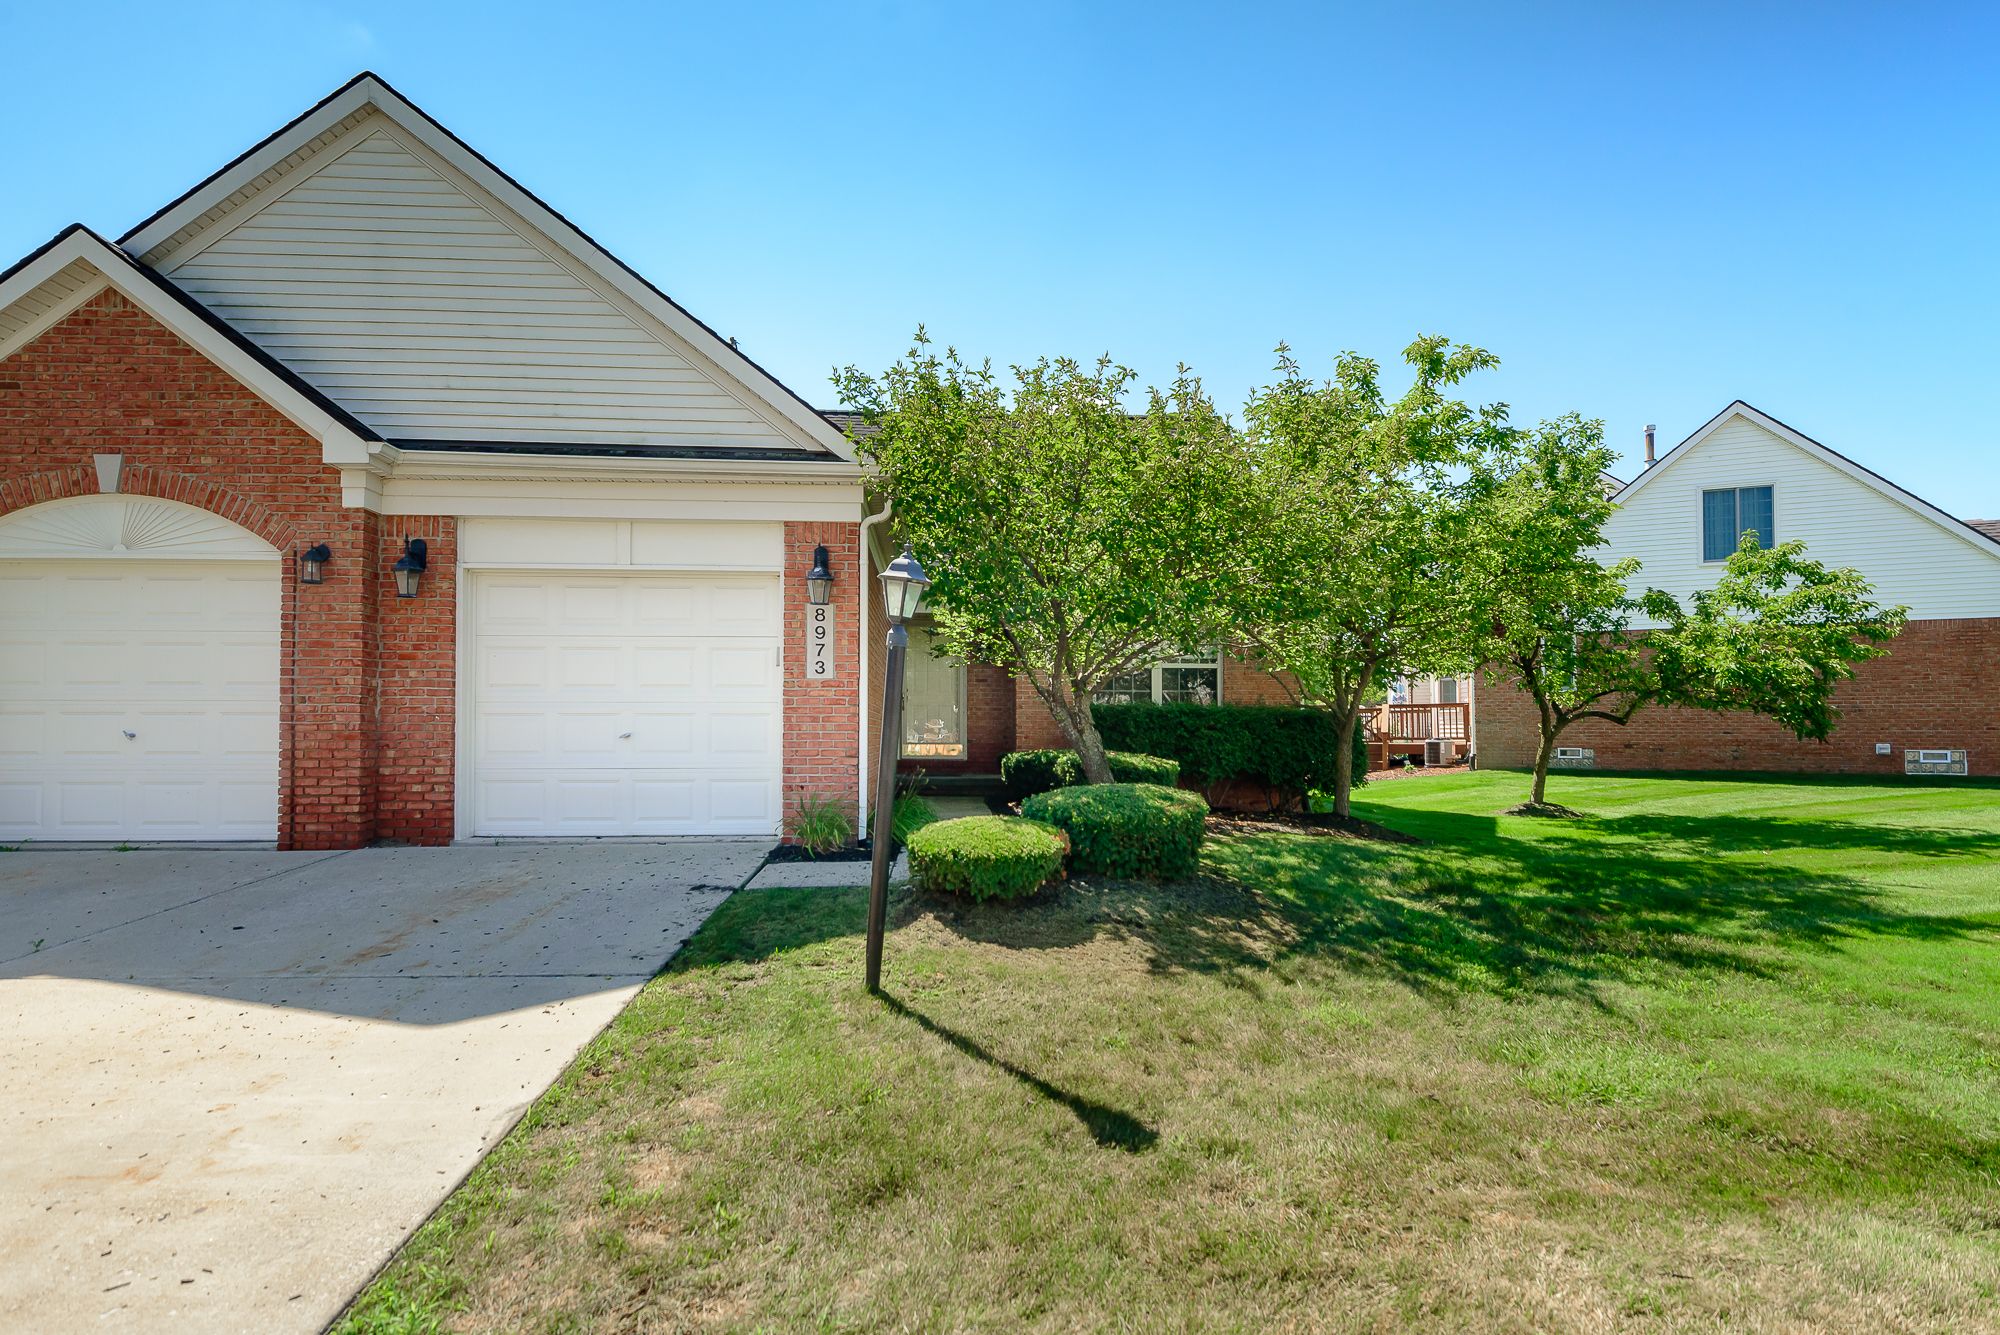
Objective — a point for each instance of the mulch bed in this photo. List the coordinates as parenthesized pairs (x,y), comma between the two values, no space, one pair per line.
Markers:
(1547,811)
(1297,822)
(800,853)
(1415,772)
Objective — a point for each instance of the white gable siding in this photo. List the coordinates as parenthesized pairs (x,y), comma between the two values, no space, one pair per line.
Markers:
(409,297)
(1909,558)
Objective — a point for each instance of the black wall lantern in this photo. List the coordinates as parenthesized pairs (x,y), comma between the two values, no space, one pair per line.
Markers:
(312,564)
(409,570)
(819,580)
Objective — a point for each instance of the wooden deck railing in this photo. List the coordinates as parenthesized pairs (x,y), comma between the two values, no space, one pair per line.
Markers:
(1418,723)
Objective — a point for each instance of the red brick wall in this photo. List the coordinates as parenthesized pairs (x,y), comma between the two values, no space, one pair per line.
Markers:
(416,684)
(109,379)
(822,717)
(1933,689)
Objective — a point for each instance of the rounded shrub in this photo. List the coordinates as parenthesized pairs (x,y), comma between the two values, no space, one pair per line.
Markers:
(1126,829)
(1029,772)
(986,857)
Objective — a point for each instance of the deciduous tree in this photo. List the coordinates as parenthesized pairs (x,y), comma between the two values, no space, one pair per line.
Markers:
(1774,636)
(1071,536)
(1372,505)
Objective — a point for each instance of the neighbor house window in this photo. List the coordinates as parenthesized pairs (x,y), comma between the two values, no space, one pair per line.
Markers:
(933,702)
(1728,514)
(1183,679)
(1447,690)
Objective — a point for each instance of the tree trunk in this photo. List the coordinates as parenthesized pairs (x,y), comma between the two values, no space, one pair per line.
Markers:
(1090,751)
(1542,758)
(1343,762)
(1079,729)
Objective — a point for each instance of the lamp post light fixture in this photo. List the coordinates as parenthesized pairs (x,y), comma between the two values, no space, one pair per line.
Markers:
(410,570)
(312,563)
(819,580)
(903,585)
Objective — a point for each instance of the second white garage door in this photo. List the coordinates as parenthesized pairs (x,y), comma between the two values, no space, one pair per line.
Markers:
(627,704)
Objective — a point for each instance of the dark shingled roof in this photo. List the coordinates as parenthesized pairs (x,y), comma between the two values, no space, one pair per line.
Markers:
(1990,527)
(848,423)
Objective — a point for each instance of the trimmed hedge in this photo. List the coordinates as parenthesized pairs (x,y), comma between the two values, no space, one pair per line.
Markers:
(986,857)
(1029,772)
(1285,749)
(1126,829)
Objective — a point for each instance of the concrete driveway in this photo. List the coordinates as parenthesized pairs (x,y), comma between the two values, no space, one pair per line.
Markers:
(232,1082)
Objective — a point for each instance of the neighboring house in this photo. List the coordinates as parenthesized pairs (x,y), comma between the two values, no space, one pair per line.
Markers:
(361,332)
(1925,707)
(959,718)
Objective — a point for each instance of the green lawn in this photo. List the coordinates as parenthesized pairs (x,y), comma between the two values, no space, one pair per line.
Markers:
(1724,1056)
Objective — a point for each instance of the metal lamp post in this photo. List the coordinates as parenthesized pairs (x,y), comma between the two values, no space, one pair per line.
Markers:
(903,585)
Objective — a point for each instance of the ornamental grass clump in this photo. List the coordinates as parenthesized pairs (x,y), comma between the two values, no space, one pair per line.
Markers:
(986,857)
(1142,831)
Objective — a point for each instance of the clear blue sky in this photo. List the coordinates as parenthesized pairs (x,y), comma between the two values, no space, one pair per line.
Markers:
(1646,211)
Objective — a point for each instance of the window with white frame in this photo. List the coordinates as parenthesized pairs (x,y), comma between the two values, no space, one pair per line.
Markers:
(933,701)
(1183,679)
(1730,512)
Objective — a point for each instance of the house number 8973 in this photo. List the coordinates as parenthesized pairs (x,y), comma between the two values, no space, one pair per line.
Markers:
(819,643)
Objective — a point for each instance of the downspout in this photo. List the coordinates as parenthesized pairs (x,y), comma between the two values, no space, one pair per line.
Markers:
(867,555)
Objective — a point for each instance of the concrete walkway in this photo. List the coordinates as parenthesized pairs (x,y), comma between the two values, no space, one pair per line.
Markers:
(232,1082)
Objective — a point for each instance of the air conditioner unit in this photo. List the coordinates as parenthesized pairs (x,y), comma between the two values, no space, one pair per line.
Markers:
(1437,751)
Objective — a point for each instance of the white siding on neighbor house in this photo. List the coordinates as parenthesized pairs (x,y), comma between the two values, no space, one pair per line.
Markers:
(1844,521)
(410,297)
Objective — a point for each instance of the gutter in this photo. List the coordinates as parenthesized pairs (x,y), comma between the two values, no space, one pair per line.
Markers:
(861,751)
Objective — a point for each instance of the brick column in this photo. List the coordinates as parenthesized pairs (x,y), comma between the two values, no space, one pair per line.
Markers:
(822,716)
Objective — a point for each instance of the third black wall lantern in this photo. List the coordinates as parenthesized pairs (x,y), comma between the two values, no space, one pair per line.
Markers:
(312,564)
(410,570)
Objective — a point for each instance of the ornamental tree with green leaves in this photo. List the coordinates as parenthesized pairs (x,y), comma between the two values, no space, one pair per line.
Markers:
(1069,538)
(1774,636)
(1372,507)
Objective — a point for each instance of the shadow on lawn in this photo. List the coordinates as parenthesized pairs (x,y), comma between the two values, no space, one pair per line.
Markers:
(1475,910)
(1107,1126)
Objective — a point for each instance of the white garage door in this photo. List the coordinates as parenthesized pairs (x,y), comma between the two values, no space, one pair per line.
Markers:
(627,704)
(138,700)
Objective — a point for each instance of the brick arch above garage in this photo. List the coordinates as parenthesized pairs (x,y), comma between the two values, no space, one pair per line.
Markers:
(22,492)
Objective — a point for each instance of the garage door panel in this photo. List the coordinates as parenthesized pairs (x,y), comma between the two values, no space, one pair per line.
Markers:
(741,733)
(739,804)
(627,710)
(667,806)
(21,806)
(665,667)
(23,732)
(588,666)
(665,739)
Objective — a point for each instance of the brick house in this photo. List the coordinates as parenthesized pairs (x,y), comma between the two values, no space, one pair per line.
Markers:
(1925,707)
(362,341)
(362,336)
